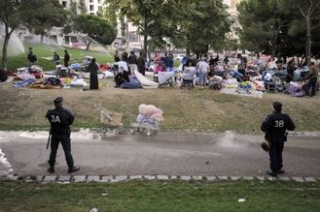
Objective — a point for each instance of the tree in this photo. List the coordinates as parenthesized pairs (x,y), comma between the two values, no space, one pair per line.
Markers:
(205,25)
(141,13)
(51,14)
(14,13)
(310,11)
(177,20)
(96,28)
(263,26)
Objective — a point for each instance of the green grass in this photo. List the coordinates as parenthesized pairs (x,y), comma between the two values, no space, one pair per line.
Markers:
(161,196)
(44,50)
(183,109)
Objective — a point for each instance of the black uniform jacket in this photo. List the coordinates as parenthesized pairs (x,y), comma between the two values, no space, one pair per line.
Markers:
(275,126)
(60,120)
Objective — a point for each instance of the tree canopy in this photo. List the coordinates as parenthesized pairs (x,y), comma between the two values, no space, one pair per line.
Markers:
(36,14)
(96,28)
(186,23)
(280,27)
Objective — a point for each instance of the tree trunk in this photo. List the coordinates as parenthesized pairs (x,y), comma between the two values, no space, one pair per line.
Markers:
(88,45)
(145,34)
(4,60)
(5,52)
(308,39)
(188,52)
(274,43)
(41,38)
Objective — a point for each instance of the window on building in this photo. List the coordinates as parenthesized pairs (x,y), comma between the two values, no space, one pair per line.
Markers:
(91,1)
(64,4)
(91,8)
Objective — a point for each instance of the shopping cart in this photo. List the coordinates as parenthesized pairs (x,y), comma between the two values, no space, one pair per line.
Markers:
(111,121)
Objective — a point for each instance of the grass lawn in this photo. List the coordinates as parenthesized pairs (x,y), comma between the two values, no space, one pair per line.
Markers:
(161,196)
(183,109)
(42,50)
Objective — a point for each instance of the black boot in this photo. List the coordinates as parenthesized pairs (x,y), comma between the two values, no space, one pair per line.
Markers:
(51,169)
(73,169)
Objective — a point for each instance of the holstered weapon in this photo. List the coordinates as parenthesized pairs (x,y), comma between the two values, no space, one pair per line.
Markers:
(49,139)
(285,137)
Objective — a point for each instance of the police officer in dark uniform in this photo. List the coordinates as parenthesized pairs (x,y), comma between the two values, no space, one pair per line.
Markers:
(60,119)
(275,126)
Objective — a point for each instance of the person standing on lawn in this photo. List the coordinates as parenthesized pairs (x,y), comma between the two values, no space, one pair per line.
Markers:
(312,79)
(60,120)
(141,63)
(203,69)
(93,69)
(66,58)
(56,58)
(275,126)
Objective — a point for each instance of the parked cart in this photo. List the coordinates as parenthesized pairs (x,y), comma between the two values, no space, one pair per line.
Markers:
(111,121)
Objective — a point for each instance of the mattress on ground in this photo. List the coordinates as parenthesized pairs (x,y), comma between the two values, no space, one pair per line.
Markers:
(145,82)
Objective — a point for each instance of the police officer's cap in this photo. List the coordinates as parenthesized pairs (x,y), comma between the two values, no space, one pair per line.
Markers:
(58,100)
(277,106)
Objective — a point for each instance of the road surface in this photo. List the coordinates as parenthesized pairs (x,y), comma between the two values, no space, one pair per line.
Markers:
(167,153)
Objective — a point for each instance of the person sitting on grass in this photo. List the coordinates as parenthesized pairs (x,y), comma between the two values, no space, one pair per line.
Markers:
(121,77)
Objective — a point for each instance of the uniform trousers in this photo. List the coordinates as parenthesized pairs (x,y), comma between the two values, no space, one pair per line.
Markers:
(65,141)
(275,154)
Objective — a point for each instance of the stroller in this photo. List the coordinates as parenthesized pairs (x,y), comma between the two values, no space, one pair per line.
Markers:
(215,82)
(62,71)
(148,120)
(272,83)
(244,86)
(166,78)
(188,76)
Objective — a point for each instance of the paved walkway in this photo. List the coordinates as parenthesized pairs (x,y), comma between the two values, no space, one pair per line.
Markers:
(167,155)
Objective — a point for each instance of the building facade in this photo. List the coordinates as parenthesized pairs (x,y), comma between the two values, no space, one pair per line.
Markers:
(91,6)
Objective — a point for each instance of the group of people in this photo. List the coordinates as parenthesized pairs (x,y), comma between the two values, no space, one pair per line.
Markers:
(125,66)
(166,62)
(32,58)
(310,79)
(66,58)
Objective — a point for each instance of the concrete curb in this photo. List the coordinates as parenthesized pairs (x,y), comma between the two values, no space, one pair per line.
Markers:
(124,178)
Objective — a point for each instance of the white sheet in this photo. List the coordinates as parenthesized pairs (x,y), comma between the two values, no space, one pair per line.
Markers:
(145,82)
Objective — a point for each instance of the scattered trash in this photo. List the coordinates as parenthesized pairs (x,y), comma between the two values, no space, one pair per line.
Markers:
(94,210)
(105,193)
(241,200)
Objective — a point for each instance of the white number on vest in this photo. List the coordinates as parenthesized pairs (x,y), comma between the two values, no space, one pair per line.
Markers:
(55,119)
(279,124)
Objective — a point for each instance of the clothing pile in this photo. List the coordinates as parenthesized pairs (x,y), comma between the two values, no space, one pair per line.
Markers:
(150,115)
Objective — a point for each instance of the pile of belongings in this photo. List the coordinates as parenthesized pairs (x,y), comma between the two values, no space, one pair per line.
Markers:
(47,83)
(150,115)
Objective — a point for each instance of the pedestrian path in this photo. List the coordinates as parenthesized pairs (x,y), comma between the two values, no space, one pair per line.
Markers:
(125,178)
